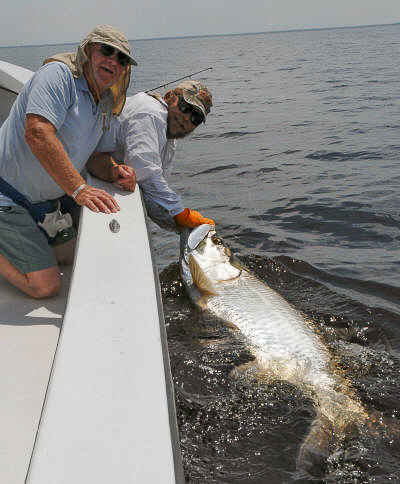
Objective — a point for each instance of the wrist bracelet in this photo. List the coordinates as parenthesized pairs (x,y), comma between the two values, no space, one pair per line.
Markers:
(78,190)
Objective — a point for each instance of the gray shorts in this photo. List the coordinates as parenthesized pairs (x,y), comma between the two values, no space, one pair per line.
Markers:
(22,242)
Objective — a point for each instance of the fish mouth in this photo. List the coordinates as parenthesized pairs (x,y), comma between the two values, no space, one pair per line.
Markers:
(198,234)
(190,239)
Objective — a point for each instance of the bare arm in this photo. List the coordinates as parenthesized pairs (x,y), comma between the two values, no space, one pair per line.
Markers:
(100,165)
(41,137)
(103,166)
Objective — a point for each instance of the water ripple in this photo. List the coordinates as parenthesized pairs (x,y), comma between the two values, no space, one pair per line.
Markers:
(237,134)
(215,169)
(344,156)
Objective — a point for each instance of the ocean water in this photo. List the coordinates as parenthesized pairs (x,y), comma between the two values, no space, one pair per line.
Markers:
(298,164)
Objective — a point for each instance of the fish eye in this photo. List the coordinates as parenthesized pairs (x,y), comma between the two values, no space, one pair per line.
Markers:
(216,240)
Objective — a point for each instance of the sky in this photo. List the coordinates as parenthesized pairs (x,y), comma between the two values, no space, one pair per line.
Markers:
(35,22)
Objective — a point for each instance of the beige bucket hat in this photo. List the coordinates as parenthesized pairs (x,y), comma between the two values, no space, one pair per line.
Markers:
(104,34)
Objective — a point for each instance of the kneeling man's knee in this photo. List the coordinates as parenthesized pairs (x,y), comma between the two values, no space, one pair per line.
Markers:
(46,290)
(41,288)
(41,292)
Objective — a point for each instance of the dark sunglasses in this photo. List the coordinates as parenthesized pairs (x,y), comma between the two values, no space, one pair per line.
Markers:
(197,116)
(108,50)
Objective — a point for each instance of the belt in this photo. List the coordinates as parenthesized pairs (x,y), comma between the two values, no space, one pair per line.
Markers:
(39,211)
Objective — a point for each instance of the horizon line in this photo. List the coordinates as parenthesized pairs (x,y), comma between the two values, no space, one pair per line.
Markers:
(141,39)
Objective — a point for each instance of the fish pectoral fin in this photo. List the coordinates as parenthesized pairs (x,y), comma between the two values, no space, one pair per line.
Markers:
(252,370)
(249,369)
(203,282)
(315,448)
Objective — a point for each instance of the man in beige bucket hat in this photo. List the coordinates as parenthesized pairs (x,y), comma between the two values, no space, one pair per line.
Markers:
(149,127)
(58,120)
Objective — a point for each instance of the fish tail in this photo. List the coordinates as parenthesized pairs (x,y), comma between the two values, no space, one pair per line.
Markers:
(316,447)
(338,419)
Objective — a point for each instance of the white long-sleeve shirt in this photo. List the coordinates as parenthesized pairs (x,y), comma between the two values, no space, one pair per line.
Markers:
(142,143)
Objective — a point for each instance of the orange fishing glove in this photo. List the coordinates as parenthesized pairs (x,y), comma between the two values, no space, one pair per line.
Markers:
(191,218)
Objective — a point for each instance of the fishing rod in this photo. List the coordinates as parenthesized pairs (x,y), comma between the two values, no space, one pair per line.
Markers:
(176,80)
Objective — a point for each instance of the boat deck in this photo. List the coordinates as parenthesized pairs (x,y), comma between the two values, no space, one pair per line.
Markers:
(29,331)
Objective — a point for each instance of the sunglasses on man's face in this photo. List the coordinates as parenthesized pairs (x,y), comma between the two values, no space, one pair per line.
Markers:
(197,116)
(108,50)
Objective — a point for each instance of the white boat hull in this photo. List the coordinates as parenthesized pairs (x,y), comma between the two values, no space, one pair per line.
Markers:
(109,413)
(12,78)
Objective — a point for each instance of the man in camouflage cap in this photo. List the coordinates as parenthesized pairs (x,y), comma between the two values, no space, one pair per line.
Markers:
(149,127)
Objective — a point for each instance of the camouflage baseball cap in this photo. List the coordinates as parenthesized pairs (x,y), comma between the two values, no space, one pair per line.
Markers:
(197,95)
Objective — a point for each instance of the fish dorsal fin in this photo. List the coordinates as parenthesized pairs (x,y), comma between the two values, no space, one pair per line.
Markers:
(202,281)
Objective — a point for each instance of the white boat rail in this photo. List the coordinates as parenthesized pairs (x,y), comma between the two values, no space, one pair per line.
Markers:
(109,414)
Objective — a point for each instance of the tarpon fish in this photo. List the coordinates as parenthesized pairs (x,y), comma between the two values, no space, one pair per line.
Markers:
(285,343)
